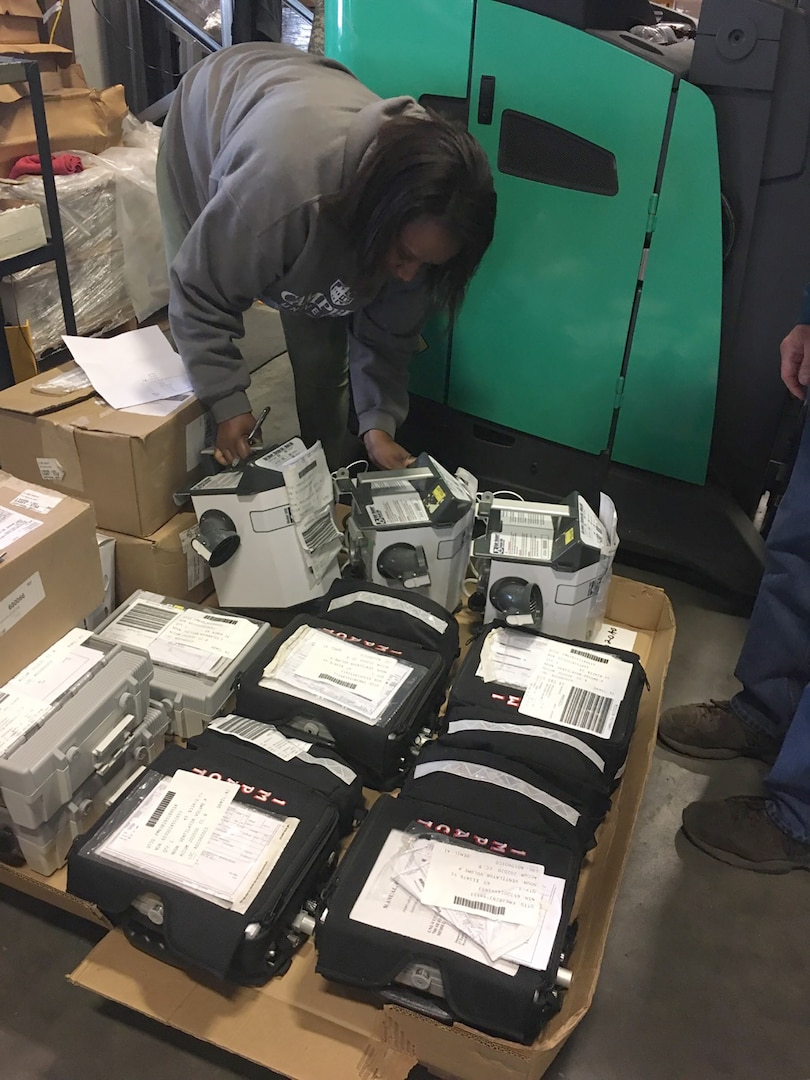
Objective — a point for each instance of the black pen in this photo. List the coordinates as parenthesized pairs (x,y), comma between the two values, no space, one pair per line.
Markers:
(258,425)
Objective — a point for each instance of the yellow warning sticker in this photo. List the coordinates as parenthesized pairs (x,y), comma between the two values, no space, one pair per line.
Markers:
(569,536)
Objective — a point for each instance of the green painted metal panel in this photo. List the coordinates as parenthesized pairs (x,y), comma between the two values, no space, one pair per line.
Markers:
(540,340)
(396,47)
(665,423)
(386,44)
(428,373)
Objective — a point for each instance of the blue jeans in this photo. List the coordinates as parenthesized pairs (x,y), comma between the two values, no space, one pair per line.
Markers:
(774,665)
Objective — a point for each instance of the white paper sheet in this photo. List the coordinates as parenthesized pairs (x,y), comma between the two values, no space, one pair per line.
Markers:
(282,455)
(18,716)
(232,867)
(410,870)
(13,526)
(184,820)
(321,540)
(577,688)
(387,905)
(508,657)
(208,631)
(617,636)
(365,673)
(141,623)
(57,670)
(521,545)
(591,528)
(50,469)
(465,879)
(308,483)
(131,368)
(38,501)
(524,517)
(316,667)
(203,642)
(398,509)
(266,736)
(309,489)
(164,407)
(536,952)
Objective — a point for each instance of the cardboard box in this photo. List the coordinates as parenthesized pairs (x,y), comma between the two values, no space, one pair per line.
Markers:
(106,551)
(52,890)
(21,227)
(21,351)
(162,563)
(321,1030)
(79,118)
(49,58)
(128,464)
(20,22)
(51,573)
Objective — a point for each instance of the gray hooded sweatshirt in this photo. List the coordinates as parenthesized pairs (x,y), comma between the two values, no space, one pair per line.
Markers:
(257,136)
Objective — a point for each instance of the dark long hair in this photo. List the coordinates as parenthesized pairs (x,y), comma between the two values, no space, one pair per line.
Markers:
(421,166)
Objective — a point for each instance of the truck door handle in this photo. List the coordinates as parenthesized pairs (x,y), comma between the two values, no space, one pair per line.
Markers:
(486,99)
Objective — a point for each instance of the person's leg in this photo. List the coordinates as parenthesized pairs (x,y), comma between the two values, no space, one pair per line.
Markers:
(318,356)
(774,665)
(788,783)
(771,834)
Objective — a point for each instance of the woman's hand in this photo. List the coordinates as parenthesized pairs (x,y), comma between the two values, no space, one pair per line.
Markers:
(384,452)
(232,438)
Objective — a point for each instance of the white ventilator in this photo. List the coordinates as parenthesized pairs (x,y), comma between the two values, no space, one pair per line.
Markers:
(412,529)
(267,530)
(547,565)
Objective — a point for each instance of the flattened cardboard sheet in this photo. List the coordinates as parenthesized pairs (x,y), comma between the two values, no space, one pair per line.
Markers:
(320,1030)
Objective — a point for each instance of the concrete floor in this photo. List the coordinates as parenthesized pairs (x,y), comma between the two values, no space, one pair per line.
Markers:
(707,970)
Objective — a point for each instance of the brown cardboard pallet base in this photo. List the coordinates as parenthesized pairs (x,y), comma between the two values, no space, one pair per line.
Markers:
(305,1028)
(52,890)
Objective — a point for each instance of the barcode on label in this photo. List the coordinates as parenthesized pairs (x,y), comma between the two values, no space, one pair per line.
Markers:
(320,532)
(586,711)
(590,656)
(479,905)
(238,725)
(149,619)
(159,810)
(221,618)
(338,682)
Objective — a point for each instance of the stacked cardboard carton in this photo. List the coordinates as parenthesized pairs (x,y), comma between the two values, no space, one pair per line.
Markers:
(127,463)
(79,117)
(50,573)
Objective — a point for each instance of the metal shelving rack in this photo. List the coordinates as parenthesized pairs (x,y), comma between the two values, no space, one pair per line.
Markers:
(15,70)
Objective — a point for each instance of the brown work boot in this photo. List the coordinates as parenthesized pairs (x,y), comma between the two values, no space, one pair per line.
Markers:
(739,831)
(711,729)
